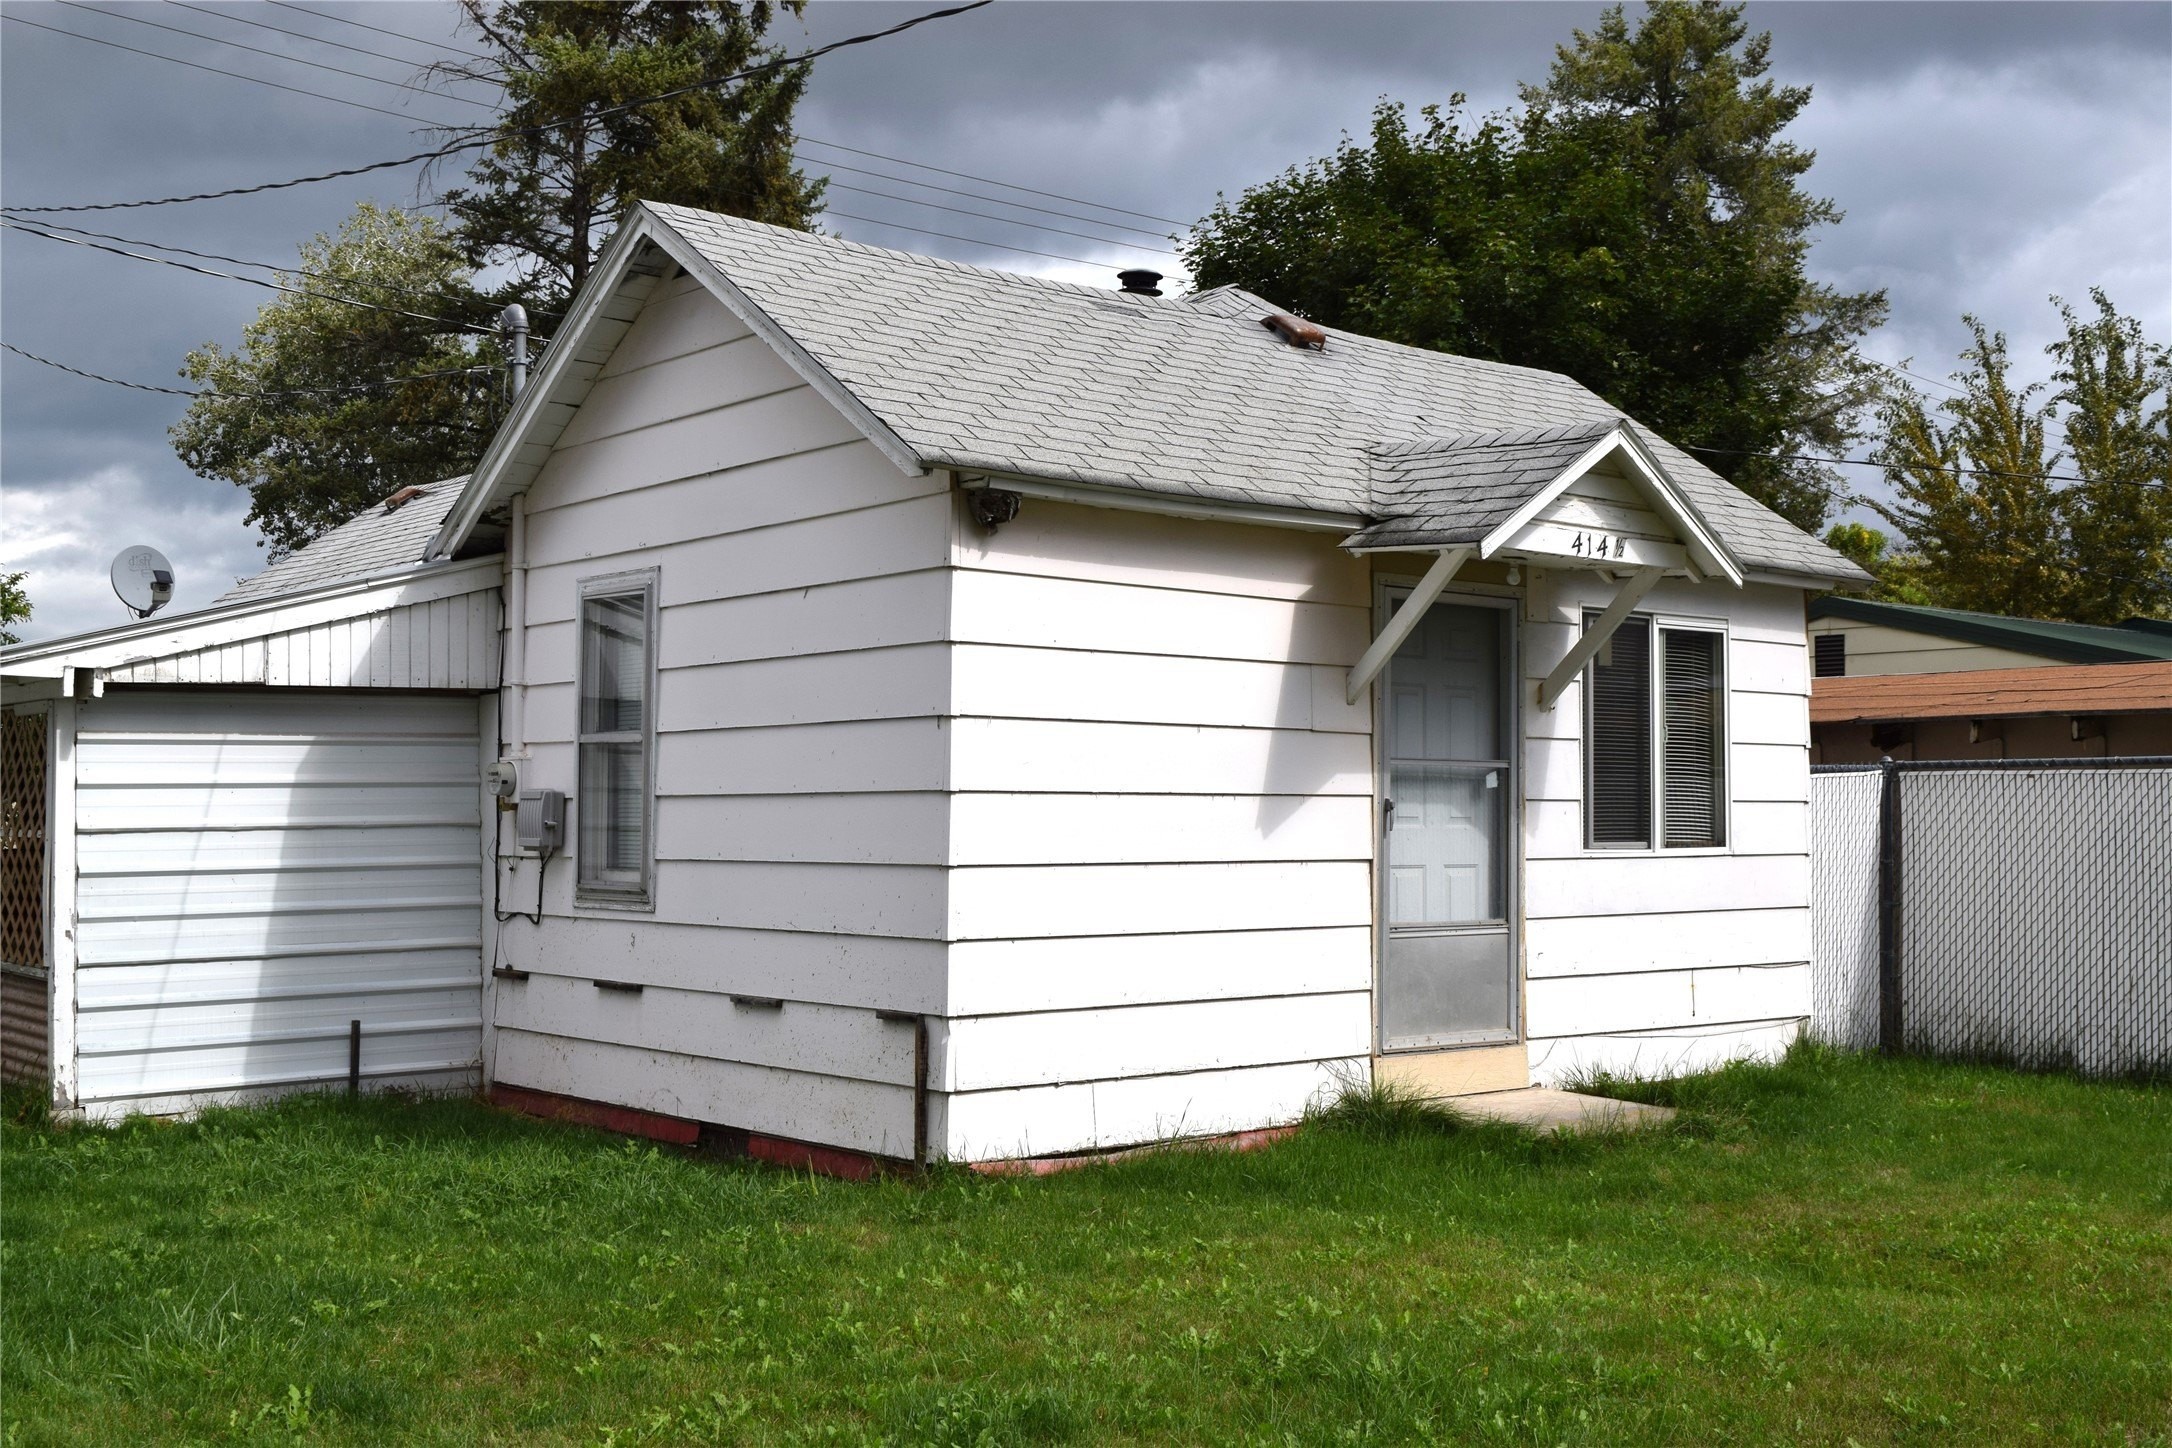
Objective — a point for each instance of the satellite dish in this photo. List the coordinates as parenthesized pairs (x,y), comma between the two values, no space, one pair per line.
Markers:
(143,579)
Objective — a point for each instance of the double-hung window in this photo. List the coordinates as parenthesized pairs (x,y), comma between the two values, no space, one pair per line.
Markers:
(613,817)
(1655,725)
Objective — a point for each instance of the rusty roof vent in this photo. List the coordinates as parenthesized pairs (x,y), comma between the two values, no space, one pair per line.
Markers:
(1295,330)
(1140,283)
(402,498)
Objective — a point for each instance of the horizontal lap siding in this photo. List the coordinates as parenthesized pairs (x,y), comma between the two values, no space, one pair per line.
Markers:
(257,870)
(1653,962)
(801,748)
(1161,838)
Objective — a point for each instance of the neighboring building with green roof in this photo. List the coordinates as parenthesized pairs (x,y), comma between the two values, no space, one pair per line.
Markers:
(1853,636)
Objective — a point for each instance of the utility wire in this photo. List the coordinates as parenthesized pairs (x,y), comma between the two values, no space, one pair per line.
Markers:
(371,386)
(474,143)
(456,297)
(1920,467)
(364,25)
(976,196)
(836,165)
(259,50)
(832,145)
(13,225)
(13,18)
(970,240)
(991,181)
(297,34)
(840,185)
(991,216)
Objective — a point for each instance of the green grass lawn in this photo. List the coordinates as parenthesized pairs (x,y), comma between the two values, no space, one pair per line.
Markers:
(1833,1249)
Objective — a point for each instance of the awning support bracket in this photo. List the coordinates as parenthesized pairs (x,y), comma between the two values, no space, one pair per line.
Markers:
(1404,619)
(1598,635)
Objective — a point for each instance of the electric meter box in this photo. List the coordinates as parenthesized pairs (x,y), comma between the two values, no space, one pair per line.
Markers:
(540,822)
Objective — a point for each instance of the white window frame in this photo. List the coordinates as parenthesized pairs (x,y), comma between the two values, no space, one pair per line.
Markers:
(1658,623)
(616,892)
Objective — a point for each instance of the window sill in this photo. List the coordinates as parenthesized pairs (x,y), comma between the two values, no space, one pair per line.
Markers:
(616,904)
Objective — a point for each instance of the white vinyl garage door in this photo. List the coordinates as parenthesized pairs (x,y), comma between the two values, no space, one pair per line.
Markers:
(256,869)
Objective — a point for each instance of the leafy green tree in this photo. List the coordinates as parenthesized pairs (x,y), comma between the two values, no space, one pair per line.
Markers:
(563,166)
(2117,388)
(1982,495)
(14,606)
(1640,225)
(327,407)
(1867,548)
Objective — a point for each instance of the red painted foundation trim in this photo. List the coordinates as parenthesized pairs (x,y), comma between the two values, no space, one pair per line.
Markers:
(623,1119)
(829,1161)
(1040,1166)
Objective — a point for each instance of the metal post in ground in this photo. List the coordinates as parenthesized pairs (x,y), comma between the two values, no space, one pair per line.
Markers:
(1889,908)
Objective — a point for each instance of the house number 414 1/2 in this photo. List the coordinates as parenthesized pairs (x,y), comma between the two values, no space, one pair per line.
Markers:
(1599,545)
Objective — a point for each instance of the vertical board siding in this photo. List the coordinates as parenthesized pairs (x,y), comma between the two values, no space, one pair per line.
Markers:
(801,753)
(1651,962)
(1160,903)
(446,643)
(255,870)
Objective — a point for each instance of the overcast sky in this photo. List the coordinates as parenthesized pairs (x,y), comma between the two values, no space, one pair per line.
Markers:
(1988,156)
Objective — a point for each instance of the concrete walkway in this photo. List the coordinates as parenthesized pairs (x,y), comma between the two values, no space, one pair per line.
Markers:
(1536,1108)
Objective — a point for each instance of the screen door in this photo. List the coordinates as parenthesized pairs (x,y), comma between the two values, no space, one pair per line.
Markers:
(1447,970)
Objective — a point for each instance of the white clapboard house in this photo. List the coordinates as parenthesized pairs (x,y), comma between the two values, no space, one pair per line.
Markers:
(995,716)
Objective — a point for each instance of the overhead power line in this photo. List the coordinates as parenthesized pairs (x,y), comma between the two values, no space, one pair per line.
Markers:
(476,143)
(371,386)
(1919,467)
(459,298)
(991,216)
(976,196)
(973,240)
(13,225)
(990,181)
(14,19)
(451,49)
(259,50)
(297,34)
(365,25)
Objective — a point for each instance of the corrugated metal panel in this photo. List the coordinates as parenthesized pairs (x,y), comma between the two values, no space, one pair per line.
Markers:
(254,871)
(445,643)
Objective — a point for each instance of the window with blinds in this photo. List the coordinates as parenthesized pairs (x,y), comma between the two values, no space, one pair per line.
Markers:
(1655,724)
(617,737)
(1692,739)
(1618,724)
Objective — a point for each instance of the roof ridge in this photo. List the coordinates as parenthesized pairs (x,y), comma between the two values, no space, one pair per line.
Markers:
(1497,438)
(672,213)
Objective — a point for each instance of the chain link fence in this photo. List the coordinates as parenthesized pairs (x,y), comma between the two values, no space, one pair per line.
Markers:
(2014,910)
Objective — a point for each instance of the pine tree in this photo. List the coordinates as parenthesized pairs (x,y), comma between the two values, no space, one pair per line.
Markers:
(563,164)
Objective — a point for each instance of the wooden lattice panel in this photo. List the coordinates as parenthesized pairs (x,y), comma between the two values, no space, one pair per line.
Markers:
(22,838)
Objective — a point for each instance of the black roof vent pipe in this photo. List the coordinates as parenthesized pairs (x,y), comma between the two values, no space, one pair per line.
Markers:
(1141,283)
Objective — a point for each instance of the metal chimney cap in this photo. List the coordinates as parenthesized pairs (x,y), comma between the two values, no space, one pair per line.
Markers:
(1141,283)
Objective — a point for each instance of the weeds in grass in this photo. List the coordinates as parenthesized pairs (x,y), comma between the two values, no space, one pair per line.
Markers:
(25,1104)
(1878,1250)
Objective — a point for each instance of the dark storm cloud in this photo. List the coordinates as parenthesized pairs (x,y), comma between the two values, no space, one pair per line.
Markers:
(1987,156)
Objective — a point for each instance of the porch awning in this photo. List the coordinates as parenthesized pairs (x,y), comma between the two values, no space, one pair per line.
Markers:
(1581,495)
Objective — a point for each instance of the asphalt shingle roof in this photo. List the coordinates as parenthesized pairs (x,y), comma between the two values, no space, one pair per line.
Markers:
(1457,490)
(371,542)
(989,371)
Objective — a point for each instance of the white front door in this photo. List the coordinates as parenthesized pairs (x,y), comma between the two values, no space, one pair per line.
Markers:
(1447,967)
